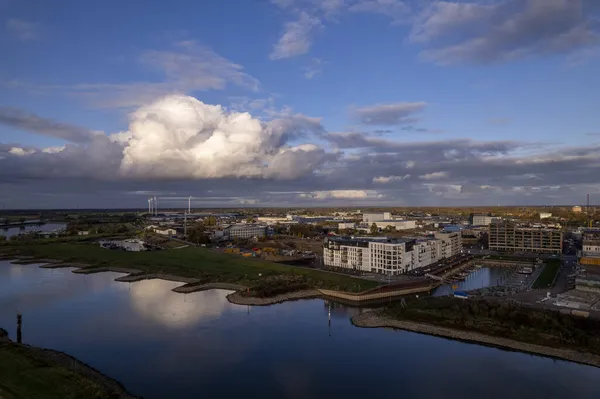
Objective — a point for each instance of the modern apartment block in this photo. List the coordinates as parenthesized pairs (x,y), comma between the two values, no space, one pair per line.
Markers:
(510,237)
(388,256)
(244,231)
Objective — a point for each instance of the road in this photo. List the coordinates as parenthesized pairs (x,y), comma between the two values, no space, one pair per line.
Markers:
(567,267)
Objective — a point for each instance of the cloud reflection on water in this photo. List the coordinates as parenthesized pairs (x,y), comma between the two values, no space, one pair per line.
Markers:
(154,300)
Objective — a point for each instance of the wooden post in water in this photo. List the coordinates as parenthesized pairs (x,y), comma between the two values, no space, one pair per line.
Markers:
(19,326)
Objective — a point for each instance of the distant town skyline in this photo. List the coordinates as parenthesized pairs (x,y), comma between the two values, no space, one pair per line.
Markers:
(298,103)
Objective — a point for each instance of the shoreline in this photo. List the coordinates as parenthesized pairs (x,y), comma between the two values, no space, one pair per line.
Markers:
(191,284)
(374,319)
(54,358)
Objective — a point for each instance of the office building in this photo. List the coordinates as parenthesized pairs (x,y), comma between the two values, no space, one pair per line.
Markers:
(384,255)
(510,237)
(244,231)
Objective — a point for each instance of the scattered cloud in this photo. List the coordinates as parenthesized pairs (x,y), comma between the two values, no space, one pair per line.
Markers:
(22,29)
(297,37)
(390,179)
(483,33)
(186,67)
(314,68)
(389,114)
(22,120)
(399,11)
(342,194)
(434,176)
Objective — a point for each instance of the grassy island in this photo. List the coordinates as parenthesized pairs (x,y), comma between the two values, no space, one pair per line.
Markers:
(495,322)
(203,264)
(27,372)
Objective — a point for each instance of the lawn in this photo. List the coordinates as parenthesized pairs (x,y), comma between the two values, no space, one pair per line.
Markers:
(202,263)
(25,373)
(547,275)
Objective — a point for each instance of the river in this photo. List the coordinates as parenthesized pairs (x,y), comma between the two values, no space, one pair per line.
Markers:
(160,344)
(11,231)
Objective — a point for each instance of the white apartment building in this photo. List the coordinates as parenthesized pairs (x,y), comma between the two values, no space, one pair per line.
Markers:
(244,231)
(545,215)
(376,217)
(451,243)
(386,256)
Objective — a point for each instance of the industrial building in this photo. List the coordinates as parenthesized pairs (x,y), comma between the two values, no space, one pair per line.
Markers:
(376,217)
(244,231)
(510,237)
(346,225)
(397,224)
(162,231)
(388,256)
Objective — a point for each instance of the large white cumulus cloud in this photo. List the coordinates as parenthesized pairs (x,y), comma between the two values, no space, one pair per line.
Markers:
(180,137)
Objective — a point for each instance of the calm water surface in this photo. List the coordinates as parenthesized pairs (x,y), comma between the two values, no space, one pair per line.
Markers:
(11,231)
(479,278)
(160,344)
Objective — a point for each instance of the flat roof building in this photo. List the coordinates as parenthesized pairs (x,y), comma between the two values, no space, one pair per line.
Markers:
(244,231)
(510,237)
(376,217)
(385,255)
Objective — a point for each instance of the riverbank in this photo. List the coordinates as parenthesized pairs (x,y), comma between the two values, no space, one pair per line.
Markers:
(269,291)
(31,372)
(199,264)
(378,319)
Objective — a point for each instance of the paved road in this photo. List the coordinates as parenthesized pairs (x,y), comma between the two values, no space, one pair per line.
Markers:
(567,267)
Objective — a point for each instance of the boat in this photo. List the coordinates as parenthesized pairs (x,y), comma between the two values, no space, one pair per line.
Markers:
(461,295)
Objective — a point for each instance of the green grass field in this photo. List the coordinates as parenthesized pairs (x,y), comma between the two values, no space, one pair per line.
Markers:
(547,275)
(25,374)
(202,263)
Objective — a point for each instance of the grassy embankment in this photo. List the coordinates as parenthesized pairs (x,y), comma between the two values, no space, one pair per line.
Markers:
(206,265)
(547,275)
(503,319)
(27,373)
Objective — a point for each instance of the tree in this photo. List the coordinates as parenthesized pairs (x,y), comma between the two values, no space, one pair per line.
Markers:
(2,238)
(374,228)
(197,234)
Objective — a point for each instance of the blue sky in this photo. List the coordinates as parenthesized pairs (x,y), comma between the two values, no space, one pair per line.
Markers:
(475,75)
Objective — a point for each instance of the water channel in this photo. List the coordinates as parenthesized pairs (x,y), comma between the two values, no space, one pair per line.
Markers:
(160,344)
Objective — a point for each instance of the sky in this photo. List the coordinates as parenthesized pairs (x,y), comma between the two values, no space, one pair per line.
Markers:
(270,103)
